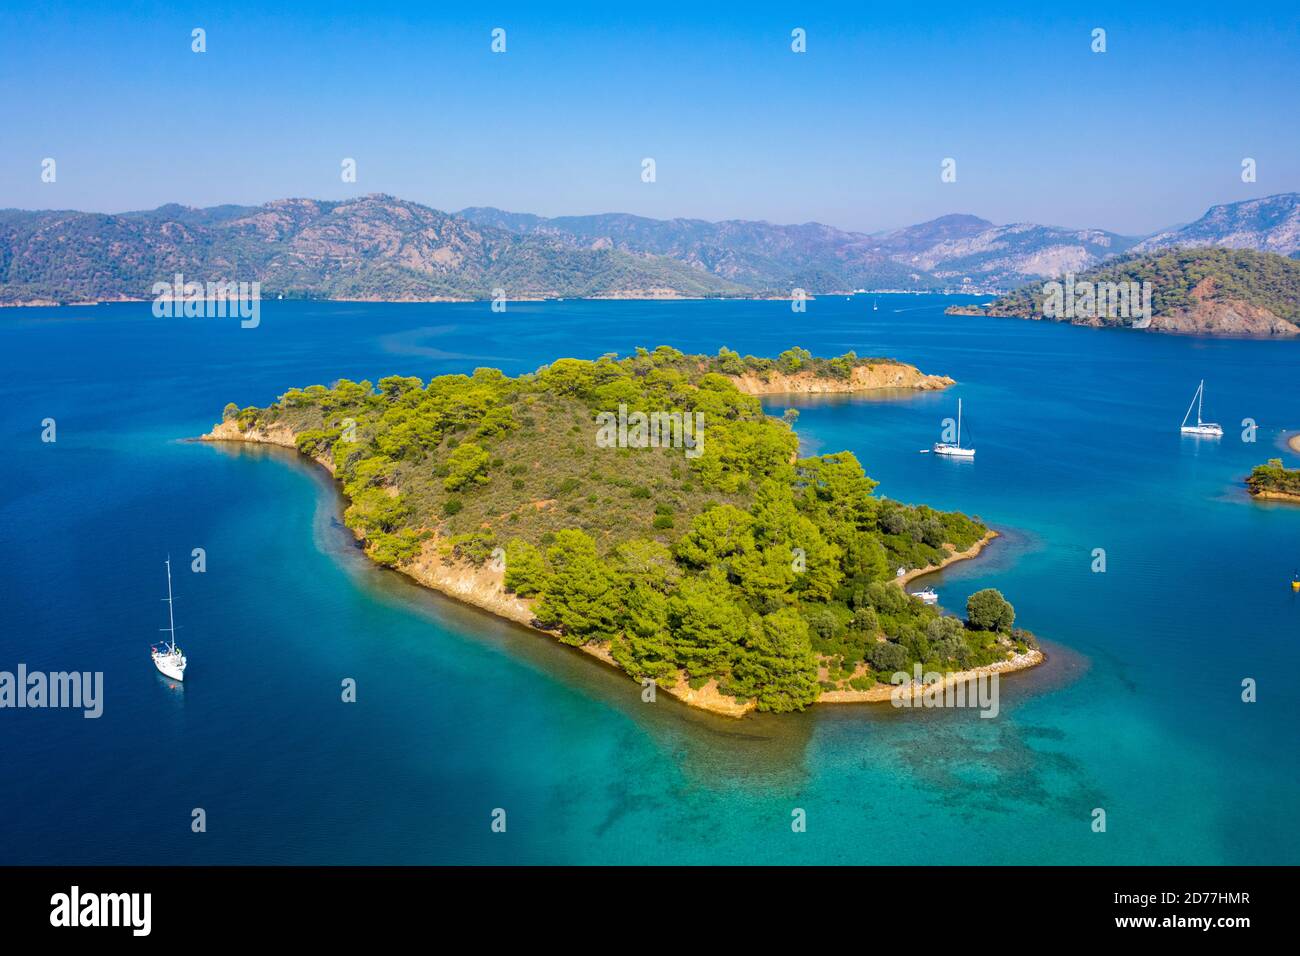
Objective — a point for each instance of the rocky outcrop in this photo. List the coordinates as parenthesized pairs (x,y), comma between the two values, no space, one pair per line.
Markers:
(865,378)
(278,434)
(480,586)
(1225,317)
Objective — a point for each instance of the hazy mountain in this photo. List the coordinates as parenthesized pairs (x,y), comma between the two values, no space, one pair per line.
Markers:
(1271,224)
(379,247)
(1004,256)
(912,240)
(950,252)
(756,254)
(376,247)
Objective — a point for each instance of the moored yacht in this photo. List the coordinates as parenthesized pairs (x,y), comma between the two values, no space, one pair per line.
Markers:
(954,449)
(1202,428)
(167,657)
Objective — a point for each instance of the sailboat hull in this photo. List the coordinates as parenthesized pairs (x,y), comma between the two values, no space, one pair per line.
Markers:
(170,665)
(953,451)
(1201,429)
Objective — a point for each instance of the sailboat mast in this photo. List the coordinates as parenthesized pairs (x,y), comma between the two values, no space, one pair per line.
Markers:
(171,617)
(959,423)
(1188,414)
(1200,399)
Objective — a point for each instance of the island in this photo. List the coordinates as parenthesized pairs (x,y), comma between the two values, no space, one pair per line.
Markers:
(1192,291)
(646,510)
(1274,482)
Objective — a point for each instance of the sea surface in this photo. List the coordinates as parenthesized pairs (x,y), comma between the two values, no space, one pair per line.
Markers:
(1138,713)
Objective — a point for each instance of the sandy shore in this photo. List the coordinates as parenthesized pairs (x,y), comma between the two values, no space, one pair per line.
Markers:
(904,579)
(484,588)
(1294,443)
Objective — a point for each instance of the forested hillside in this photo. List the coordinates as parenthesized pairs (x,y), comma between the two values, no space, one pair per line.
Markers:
(770,575)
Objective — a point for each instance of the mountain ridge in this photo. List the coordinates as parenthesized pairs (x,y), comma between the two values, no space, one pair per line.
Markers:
(1268,224)
(380,247)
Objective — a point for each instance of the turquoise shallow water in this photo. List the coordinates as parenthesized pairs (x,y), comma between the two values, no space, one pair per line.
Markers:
(1138,710)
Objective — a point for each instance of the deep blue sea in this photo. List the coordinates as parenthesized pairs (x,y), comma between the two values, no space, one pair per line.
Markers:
(1138,711)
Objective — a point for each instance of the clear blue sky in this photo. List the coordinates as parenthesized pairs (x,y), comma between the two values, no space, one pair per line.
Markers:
(851,133)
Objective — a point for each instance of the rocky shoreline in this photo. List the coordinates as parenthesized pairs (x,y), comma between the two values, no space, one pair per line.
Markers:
(1274,496)
(874,376)
(885,692)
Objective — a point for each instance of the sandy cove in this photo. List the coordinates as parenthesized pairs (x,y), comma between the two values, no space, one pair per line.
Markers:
(903,579)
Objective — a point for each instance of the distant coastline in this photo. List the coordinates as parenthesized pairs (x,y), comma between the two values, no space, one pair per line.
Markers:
(648,295)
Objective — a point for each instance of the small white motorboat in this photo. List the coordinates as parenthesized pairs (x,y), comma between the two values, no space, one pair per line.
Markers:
(928,595)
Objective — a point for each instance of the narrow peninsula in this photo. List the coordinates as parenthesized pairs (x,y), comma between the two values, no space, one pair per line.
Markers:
(647,511)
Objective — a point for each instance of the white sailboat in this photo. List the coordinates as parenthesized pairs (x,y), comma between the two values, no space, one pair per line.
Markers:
(167,657)
(954,449)
(1202,428)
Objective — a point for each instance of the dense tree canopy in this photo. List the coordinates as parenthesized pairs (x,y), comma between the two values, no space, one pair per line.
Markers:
(771,575)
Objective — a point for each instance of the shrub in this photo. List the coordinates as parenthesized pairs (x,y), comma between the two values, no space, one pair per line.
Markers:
(887,657)
(467,465)
(865,621)
(988,610)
